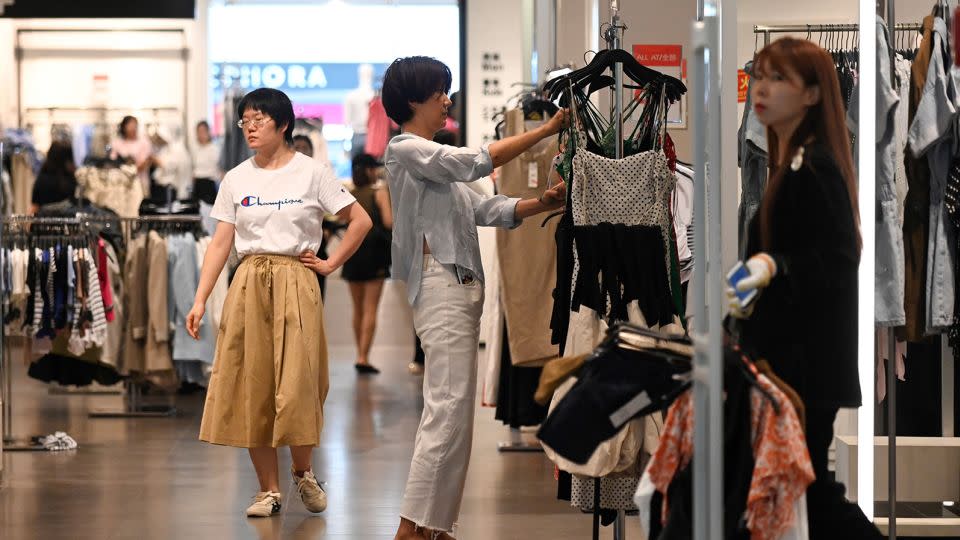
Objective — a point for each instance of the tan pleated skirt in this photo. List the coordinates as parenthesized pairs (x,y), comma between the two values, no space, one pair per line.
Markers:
(270,375)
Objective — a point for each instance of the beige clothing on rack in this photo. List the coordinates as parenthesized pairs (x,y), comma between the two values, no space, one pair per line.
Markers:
(146,344)
(528,253)
(115,188)
(134,272)
(22,178)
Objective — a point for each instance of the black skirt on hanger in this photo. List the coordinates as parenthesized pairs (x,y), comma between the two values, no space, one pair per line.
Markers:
(515,405)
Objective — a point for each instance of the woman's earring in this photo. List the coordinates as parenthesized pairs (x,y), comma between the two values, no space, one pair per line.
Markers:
(797,161)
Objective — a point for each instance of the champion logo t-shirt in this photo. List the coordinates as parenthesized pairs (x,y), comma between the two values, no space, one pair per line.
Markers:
(279,211)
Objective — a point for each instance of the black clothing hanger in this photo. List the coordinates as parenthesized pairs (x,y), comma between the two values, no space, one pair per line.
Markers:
(604,60)
(601,82)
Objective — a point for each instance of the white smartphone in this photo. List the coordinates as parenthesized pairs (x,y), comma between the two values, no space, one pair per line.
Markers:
(737,273)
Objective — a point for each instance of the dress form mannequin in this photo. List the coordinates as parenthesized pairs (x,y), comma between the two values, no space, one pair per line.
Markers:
(356,108)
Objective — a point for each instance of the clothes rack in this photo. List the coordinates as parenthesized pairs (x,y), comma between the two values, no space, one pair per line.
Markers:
(134,405)
(517,444)
(10,442)
(99,391)
(767,30)
(614,38)
(133,402)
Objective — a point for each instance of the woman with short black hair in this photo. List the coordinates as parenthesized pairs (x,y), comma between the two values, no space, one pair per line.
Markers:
(436,251)
(270,374)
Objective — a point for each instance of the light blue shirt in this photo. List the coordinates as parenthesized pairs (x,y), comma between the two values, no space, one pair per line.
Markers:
(183,271)
(430,200)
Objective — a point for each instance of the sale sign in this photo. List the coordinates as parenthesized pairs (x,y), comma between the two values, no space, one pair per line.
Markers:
(743,84)
(667,59)
(658,55)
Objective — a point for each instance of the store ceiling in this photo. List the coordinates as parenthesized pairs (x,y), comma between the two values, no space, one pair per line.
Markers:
(350,2)
(98,9)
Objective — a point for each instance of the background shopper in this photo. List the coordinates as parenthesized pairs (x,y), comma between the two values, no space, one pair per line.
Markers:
(366,271)
(130,146)
(206,172)
(56,182)
(804,250)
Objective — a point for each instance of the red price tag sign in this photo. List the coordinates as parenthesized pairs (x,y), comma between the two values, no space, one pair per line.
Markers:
(659,55)
(743,83)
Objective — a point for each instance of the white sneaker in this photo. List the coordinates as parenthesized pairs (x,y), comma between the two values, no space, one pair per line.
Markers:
(415,368)
(265,504)
(311,493)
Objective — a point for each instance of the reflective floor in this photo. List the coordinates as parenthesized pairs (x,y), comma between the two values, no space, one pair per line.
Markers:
(151,478)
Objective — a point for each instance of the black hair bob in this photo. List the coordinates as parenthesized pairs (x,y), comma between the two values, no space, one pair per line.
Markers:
(272,103)
(414,79)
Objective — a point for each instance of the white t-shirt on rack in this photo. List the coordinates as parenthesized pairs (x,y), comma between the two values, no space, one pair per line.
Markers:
(279,211)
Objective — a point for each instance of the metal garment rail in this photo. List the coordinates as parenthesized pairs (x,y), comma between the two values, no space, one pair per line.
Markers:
(132,399)
(767,30)
(706,324)
(613,35)
(10,443)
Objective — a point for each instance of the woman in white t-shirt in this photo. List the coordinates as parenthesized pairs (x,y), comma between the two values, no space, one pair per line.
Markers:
(206,169)
(270,374)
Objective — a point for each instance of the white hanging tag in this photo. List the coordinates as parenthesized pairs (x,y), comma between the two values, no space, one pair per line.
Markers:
(533,175)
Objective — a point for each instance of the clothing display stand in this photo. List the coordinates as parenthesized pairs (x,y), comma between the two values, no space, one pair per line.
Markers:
(613,35)
(133,397)
(767,30)
(97,391)
(11,442)
(517,444)
(133,405)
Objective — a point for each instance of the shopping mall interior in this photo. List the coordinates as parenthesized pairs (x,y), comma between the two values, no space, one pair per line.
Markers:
(499,269)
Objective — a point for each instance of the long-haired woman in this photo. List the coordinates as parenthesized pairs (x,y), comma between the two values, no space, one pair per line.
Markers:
(804,250)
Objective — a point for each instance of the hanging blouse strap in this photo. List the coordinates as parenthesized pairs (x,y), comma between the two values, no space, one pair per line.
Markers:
(660,120)
(576,124)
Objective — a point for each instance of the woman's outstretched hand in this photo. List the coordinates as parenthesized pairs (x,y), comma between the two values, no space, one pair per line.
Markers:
(554,197)
(559,121)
